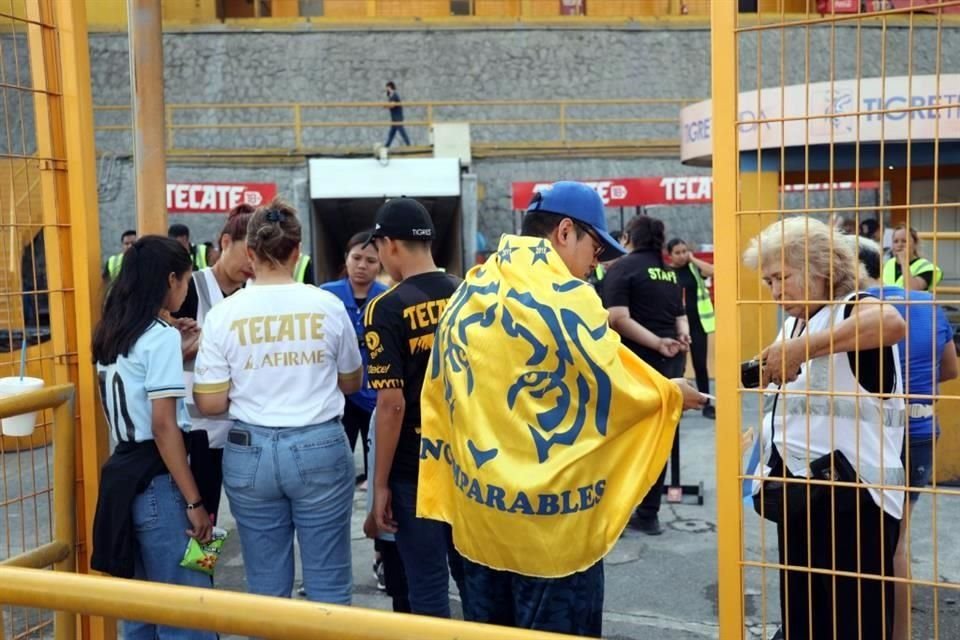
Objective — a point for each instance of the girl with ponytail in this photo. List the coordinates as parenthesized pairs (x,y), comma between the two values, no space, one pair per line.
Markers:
(149,504)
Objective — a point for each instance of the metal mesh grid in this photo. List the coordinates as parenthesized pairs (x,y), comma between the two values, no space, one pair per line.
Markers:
(824,97)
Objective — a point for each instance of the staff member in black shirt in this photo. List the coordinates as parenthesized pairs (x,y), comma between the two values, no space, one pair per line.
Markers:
(400,326)
(646,309)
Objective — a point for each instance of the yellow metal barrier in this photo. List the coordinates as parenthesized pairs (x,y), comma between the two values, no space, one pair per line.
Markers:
(797,99)
(59,552)
(497,126)
(235,613)
(49,281)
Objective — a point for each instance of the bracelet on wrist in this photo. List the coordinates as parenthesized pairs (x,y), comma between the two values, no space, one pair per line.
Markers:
(194,505)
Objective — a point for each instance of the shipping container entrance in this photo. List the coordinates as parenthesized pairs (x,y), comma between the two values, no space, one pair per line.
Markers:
(346,194)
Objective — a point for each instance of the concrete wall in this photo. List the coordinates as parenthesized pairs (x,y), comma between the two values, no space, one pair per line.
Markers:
(220,65)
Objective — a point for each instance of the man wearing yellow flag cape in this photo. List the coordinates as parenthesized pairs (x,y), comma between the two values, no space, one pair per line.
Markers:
(540,431)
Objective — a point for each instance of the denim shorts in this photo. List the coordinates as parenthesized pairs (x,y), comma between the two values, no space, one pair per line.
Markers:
(920,469)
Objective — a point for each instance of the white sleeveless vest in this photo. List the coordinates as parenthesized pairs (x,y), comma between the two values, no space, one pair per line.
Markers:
(868,429)
(208,295)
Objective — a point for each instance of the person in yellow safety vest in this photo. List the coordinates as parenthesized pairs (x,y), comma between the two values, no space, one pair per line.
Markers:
(198,252)
(111,269)
(924,275)
(302,271)
(596,278)
(691,272)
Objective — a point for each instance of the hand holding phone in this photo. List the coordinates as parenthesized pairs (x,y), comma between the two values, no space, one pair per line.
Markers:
(750,374)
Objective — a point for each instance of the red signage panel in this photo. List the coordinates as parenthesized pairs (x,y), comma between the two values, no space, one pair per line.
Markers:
(632,192)
(217,197)
(663,190)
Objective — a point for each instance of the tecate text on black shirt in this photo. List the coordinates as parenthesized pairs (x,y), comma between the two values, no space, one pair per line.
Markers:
(400,328)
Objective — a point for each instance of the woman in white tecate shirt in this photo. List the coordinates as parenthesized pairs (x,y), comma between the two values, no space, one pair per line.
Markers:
(279,357)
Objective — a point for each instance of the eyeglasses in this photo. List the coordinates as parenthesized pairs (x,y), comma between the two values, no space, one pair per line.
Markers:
(598,245)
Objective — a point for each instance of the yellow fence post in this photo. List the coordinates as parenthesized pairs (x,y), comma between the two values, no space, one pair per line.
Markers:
(64,505)
(146,76)
(725,162)
(297,127)
(78,198)
(563,123)
(168,126)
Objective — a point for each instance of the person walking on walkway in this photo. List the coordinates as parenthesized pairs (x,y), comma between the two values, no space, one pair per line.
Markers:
(396,116)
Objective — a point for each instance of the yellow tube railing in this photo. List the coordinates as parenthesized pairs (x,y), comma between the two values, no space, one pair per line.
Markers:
(310,127)
(233,613)
(60,552)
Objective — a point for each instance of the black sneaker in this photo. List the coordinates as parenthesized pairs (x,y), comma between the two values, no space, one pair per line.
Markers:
(710,412)
(302,591)
(648,525)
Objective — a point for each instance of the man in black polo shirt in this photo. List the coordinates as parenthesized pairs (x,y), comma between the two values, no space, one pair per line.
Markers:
(400,328)
(645,303)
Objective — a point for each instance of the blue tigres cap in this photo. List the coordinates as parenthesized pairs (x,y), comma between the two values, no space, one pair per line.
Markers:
(579,202)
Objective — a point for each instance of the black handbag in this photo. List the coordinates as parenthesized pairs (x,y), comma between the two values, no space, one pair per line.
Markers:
(777,498)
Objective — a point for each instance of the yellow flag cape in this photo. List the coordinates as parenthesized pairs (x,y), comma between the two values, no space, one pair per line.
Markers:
(540,431)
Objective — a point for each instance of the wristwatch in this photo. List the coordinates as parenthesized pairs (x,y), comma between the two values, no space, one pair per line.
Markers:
(194,505)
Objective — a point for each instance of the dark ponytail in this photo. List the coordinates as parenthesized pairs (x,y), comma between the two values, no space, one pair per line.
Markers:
(136,296)
(647,234)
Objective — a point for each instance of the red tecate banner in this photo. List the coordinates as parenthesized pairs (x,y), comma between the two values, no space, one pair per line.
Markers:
(663,190)
(217,197)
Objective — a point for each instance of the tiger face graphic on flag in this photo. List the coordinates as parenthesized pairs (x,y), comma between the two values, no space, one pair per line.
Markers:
(541,431)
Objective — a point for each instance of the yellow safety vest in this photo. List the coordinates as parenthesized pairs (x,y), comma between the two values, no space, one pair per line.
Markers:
(919,266)
(300,271)
(200,256)
(114,263)
(708,319)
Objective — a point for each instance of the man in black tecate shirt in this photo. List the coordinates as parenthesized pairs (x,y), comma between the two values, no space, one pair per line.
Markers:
(400,327)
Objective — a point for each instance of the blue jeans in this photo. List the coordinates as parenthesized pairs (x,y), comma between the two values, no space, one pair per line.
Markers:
(572,604)
(160,521)
(293,479)
(426,548)
(394,130)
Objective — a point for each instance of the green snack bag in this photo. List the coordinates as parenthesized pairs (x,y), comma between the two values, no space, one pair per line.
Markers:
(203,557)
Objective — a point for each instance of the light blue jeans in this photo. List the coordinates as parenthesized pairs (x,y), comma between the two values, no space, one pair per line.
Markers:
(160,521)
(293,479)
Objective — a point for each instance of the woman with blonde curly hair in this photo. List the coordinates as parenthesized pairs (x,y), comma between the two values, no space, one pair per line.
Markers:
(835,416)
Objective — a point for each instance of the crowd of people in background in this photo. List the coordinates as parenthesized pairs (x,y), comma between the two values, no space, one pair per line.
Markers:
(553,403)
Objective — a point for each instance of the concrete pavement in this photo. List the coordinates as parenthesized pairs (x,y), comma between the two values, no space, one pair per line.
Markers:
(661,587)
